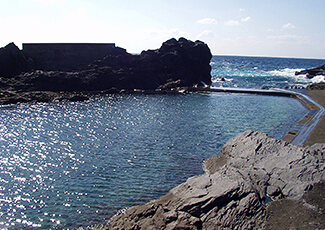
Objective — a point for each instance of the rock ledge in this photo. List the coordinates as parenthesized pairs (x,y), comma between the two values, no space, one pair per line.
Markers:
(235,191)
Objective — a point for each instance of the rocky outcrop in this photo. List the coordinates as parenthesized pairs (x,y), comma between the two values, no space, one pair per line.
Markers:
(310,73)
(316,86)
(252,170)
(12,61)
(12,97)
(177,63)
(182,61)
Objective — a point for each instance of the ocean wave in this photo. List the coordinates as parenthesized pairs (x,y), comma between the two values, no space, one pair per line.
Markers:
(318,79)
(250,72)
(287,72)
(297,79)
(220,80)
(305,80)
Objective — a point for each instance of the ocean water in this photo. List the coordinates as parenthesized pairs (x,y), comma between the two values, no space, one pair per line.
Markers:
(70,164)
(250,72)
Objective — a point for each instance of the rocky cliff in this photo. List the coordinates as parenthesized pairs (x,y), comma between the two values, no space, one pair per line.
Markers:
(177,63)
(12,61)
(240,185)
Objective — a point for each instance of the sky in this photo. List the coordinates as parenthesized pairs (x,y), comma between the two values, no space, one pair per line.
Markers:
(275,28)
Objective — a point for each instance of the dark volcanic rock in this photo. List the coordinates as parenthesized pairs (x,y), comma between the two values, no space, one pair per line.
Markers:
(316,86)
(181,63)
(310,73)
(67,56)
(79,98)
(177,60)
(232,193)
(12,61)
(12,97)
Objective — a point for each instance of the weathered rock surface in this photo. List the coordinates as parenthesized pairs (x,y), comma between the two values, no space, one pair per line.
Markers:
(177,63)
(306,213)
(310,73)
(12,97)
(231,195)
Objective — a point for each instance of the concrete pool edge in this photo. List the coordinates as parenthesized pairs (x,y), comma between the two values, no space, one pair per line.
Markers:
(299,133)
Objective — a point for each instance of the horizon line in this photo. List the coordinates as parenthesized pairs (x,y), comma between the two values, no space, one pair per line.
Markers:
(265,56)
(137,53)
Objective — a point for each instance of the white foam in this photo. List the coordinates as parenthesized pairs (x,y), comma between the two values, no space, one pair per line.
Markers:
(287,72)
(302,78)
(318,79)
(220,80)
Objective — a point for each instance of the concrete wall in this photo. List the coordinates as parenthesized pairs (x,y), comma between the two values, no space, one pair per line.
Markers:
(67,56)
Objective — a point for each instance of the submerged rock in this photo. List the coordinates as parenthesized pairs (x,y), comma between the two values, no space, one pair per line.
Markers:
(79,98)
(232,194)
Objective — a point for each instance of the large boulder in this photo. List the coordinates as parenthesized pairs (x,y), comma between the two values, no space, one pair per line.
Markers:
(12,61)
(252,170)
(177,60)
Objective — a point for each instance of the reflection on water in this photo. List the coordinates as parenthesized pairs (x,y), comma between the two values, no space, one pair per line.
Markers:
(74,164)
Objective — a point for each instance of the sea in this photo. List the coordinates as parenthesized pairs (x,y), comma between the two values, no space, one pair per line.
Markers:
(65,165)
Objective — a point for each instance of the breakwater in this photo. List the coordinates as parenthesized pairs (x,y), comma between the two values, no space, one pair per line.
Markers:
(298,133)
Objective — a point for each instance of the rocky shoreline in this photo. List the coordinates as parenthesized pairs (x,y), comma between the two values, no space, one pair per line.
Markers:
(252,184)
(176,65)
(241,189)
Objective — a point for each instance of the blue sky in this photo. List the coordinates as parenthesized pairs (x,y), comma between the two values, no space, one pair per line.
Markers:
(280,28)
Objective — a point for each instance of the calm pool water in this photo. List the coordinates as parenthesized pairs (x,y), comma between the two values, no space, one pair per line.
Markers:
(64,165)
